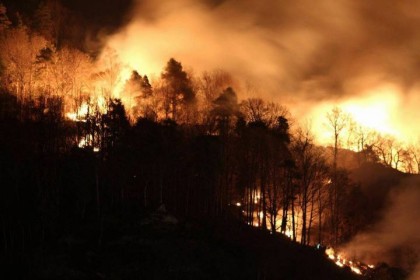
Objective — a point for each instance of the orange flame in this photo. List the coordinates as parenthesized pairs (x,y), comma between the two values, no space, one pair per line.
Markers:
(341,261)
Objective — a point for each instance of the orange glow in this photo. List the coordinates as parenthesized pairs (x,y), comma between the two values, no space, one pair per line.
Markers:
(341,261)
(330,253)
(356,270)
(81,112)
(376,111)
(82,143)
(338,258)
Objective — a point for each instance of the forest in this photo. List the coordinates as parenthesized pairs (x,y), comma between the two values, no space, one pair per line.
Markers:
(85,142)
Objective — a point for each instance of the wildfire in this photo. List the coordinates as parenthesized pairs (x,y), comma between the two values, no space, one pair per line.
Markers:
(376,110)
(330,253)
(339,258)
(341,261)
(79,114)
(82,143)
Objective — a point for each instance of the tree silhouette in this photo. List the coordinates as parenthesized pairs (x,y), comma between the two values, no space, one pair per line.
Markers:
(177,89)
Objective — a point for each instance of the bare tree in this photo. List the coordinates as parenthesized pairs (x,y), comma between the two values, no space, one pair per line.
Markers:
(413,153)
(390,151)
(258,110)
(337,121)
(210,84)
(312,172)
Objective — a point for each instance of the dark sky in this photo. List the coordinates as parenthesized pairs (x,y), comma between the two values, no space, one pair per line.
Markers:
(100,11)
(90,16)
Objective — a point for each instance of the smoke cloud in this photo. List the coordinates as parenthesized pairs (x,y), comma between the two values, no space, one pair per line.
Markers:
(305,54)
(395,239)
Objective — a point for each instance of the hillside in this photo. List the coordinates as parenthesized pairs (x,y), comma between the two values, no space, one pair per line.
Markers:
(377,184)
(160,248)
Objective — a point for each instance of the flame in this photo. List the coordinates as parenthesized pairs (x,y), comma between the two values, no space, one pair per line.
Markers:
(330,253)
(289,233)
(82,143)
(79,114)
(356,270)
(341,261)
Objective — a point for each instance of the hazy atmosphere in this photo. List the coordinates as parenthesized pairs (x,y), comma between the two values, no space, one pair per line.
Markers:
(210,139)
(362,55)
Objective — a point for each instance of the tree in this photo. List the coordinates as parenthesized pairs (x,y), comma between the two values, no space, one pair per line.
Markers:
(312,170)
(19,51)
(364,139)
(337,121)
(65,73)
(177,90)
(108,79)
(49,21)
(279,170)
(114,123)
(390,151)
(140,97)
(414,155)
(225,107)
(258,110)
(210,85)
(265,169)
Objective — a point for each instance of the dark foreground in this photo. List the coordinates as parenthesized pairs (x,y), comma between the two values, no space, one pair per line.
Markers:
(160,247)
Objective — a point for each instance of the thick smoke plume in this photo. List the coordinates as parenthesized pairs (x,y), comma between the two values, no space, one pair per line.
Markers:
(395,239)
(305,54)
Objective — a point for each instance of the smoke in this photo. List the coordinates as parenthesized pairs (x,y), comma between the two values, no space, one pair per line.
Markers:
(307,55)
(304,54)
(416,274)
(395,239)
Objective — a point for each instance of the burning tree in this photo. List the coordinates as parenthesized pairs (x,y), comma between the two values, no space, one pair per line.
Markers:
(19,54)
